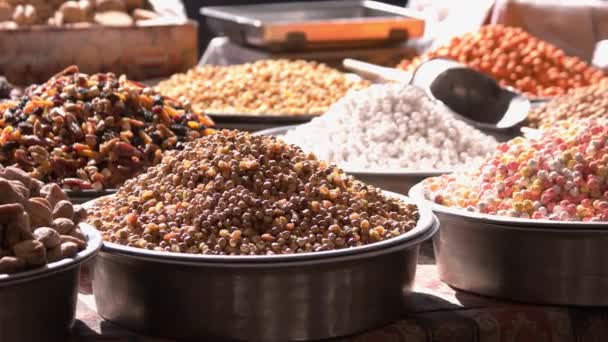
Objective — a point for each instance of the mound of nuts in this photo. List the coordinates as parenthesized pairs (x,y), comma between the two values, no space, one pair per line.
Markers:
(588,102)
(232,193)
(93,132)
(271,87)
(60,12)
(38,225)
(517,59)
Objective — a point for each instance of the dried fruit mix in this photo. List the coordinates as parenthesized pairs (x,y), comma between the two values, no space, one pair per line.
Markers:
(93,132)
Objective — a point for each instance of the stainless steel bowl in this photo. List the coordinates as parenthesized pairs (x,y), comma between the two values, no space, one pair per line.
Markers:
(280,297)
(40,305)
(79,197)
(399,181)
(536,261)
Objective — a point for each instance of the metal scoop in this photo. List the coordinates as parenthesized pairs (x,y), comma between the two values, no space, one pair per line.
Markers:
(471,95)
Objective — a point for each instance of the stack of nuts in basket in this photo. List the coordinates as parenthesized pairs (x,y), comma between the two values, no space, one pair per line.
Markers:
(18,13)
(93,132)
(232,193)
(38,225)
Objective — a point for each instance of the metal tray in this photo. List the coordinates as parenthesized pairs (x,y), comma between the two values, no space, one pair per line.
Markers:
(399,181)
(278,297)
(40,304)
(534,261)
(305,25)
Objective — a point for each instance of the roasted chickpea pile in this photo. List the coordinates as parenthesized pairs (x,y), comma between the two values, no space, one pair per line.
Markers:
(232,193)
(19,13)
(92,132)
(38,225)
(272,87)
(588,102)
(515,58)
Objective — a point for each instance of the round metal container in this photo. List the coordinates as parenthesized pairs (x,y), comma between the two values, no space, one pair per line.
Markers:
(278,298)
(79,197)
(40,304)
(399,181)
(252,123)
(535,261)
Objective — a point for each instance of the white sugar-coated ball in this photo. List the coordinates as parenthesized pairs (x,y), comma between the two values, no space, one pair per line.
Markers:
(392,126)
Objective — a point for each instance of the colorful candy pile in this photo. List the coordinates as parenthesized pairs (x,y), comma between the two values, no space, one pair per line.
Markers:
(562,176)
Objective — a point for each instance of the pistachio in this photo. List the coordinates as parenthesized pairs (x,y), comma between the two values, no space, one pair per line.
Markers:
(40,215)
(63,209)
(10,264)
(31,251)
(48,236)
(63,225)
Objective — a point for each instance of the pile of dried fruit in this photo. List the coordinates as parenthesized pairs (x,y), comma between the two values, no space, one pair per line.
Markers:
(235,194)
(96,131)
(16,13)
(38,225)
(563,176)
(392,126)
(273,87)
(588,102)
(516,58)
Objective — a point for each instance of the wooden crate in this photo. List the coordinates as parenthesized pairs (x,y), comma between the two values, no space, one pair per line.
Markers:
(32,55)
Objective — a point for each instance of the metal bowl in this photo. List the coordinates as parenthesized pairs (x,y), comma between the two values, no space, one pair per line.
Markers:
(79,197)
(278,297)
(252,123)
(399,181)
(40,304)
(535,261)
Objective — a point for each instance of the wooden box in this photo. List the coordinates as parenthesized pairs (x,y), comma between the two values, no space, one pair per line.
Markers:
(33,54)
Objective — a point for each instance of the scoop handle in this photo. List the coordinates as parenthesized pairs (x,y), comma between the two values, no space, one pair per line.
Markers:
(376,72)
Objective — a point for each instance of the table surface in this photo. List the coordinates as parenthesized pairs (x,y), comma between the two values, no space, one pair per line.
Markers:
(440,313)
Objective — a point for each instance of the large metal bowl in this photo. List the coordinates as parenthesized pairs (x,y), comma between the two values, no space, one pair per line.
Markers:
(279,297)
(40,305)
(399,181)
(82,196)
(536,261)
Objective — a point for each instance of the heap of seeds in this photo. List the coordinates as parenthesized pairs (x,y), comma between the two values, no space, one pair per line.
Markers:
(392,126)
(235,194)
(92,132)
(588,102)
(272,87)
(517,59)
(563,176)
